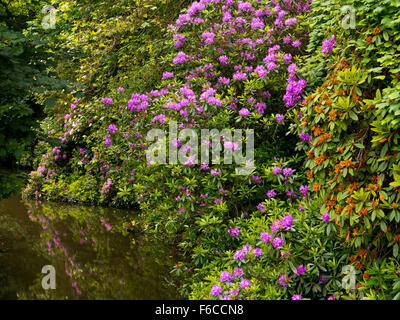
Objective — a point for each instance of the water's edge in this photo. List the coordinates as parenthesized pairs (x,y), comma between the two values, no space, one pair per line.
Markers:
(92,255)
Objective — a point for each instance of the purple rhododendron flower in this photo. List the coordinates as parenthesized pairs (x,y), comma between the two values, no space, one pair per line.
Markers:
(287,172)
(296,43)
(167,75)
(257,252)
(305,136)
(240,76)
(180,58)
(107,140)
(271,193)
(261,207)
(234,232)
(239,255)
(112,128)
(238,272)
(244,112)
(216,290)
(108,101)
(277,242)
(260,71)
(300,270)
(326,217)
(266,237)
(276,170)
(284,280)
(280,118)
(328,45)
(244,284)
(226,276)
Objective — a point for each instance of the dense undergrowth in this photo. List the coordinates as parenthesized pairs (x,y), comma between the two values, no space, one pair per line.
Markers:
(322,97)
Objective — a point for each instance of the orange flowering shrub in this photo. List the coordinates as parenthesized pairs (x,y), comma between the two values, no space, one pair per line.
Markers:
(352,120)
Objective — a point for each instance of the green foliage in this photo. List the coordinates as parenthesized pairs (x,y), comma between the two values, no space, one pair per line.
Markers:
(106,46)
(25,64)
(352,116)
(307,244)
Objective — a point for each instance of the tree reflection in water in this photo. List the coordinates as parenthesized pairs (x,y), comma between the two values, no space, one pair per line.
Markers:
(93,255)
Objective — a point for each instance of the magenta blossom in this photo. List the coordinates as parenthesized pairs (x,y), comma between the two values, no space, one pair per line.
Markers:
(244,284)
(226,276)
(244,112)
(216,290)
(326,217)
(328,45)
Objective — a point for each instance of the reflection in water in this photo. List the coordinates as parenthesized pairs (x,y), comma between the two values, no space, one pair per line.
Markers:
(93,256)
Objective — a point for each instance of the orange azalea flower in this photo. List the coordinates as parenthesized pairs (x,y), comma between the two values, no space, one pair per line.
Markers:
(355,96)
(320,159)
(339,187)
(323,138)
(349,209)
(340,149)
(352,187)
(373,254)
(375,204)
(341,92)
(363,212)
(319,109)
(333,80)
(332,115)
(363,253)
(317,187)
(331,203)
(376,31)
(366,276)
(317,130)
(343,164)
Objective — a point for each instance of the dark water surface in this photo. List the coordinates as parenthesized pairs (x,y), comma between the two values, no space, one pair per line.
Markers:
(93,256)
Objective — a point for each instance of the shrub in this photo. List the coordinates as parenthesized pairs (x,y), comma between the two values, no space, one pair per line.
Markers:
(351,133)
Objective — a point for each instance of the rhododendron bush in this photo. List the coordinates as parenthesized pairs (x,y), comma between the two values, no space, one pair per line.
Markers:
(233,65)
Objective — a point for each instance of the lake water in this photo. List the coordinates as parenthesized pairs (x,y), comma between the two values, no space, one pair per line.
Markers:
(92,254)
